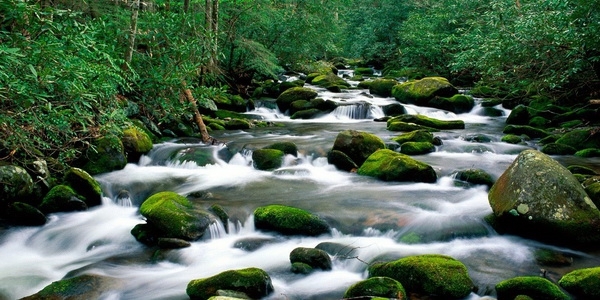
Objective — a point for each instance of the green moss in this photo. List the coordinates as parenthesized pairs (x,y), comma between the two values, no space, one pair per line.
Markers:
(512,139)
(580,139)
(428,122)
(294,94)
(85,185)
(135,143)
(316,258)
(457,103)
(382,87)
(589,152)
(289,220)
(328,80)
(593,190)
(430,274)
(417,148)
(414,136)
(253,282)
(395,125)
(421,91)
(583,283)
(299,105)
(358,145)
(388,165)
(377,286)
(15,183)
(59,199)
(267,159)
(558,149)
(286,147)
(539,122)
(534,287)
(475,176)
(526,130)
(238,124)
(80,287)
(363,71)
(107,154)
(578,169)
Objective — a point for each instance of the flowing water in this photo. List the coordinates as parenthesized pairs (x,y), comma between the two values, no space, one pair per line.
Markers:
(372,220)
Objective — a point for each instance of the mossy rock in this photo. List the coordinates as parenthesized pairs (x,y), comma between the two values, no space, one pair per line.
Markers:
(539,122)
(581,139)
(525,202)
(396,125)
(267,159)
(456,104)
(287,147)
(475,176)
(558,149)
(62,198)
(310,113)
(358,145)
(136,142)
(393,109)
(589,152)
(382,87)
(15,184)
(518,116)
(85,185)
(429,274)
(429,122)
(173,215)
(107,154)
(388,165)
(311,76)
(377,287)
(578,169)
(364,71)
(202,156)
(253,282)
(552,258)
(419,92)
(82,287)
(414,136)
(529,131)
(294,94)
(328,80)
(532,286)
(238,124)
(299,105)
(19,213)
(286,85)
(512,139)
(301,268)
(341,161)
(582,283)
(593,190)
(315,258)
(416,148)
(289,221)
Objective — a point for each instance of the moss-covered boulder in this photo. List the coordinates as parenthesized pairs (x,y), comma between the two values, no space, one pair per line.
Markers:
(377,287)
(315,258)
(173,216)
(558,149)
(518,116)
(82,287)
(306,114)
(15,184)
(414,136)
(136,142)
(593,190)
(357,145)
(429,274)
(299,105)
(581,139)
(238,124)
(388,165)
(420,92)
(106,154)
(287,147)
(475,176)
(538,198)
(267,159)
(417,148)
(512,139)
(328,80)
(527,130)
(286,85)
(382,87)
(62,198)
(532,286)
(428,122)
(457,104)
(397,125)
(341,161)
(582,283)
(85,185)
(393,109)
(293,94)
(19,213)
(289,221)
(201,155)
(589,152)
(252,282)
(364,71)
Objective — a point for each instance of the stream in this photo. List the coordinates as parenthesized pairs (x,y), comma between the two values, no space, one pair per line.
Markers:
(374,220)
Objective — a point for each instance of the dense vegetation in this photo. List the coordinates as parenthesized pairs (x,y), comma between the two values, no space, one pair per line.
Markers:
(72,70)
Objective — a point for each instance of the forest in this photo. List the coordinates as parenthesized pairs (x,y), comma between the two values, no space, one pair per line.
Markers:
(72,70)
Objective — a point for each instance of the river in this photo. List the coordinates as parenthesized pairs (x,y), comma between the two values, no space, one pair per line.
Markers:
(374,220)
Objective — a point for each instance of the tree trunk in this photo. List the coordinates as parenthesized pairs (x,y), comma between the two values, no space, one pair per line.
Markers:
(132,33)
(206,138)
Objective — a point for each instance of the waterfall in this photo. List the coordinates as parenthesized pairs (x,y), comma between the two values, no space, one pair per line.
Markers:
(358,111)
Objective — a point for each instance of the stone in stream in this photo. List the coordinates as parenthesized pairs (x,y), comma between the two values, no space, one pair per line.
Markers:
(313,257)
(251,282)
(420,92)
(531,286)
(538,198)
(385,287)
(428,122)
(582,283)
(357,145)
(82,287)
(388,165)
(289,221)
(293,94)
(267,159)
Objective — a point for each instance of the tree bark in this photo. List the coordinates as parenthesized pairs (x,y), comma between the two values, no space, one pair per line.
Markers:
(132,33)
(206,138)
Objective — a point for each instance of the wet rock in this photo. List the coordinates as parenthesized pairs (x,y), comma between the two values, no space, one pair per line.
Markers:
(593,190)
(518,116)
(394,109)
(382,87)
(358,145)
(581,139)
(315,258)
(475,176)
(396,125)
(107,154)
(173,216)
(577,169)
(419,92)
(534,287)
(19,213)
(15,184)
(201,155)
(552,258)
(238,124)
(341,161)
(538,198)
(253,282)
(267,159)
(82,287)
(456,104)
(582,283)
(429,274)
(301,268)
(512,139)
(378,287)
(85,185)
(337,249)
(310,113)
(417,148)
(328,80)
(220,212)
(392,166)
(172,243)
(558,149)
(252,243)
(293,94)
(589,152)
(62,198)
(286,85)
(135,143)
(429,122)
(414,136)
(529,131)
(289,221)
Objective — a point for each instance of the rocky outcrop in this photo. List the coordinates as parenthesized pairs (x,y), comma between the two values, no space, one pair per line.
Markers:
(254,283)
(538,198)
(357,145)
(377,287)
(430,274)
(289,221)
(392,166)
(531,286)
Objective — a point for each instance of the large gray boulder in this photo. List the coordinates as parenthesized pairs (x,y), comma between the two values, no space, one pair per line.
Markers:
(538,198)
